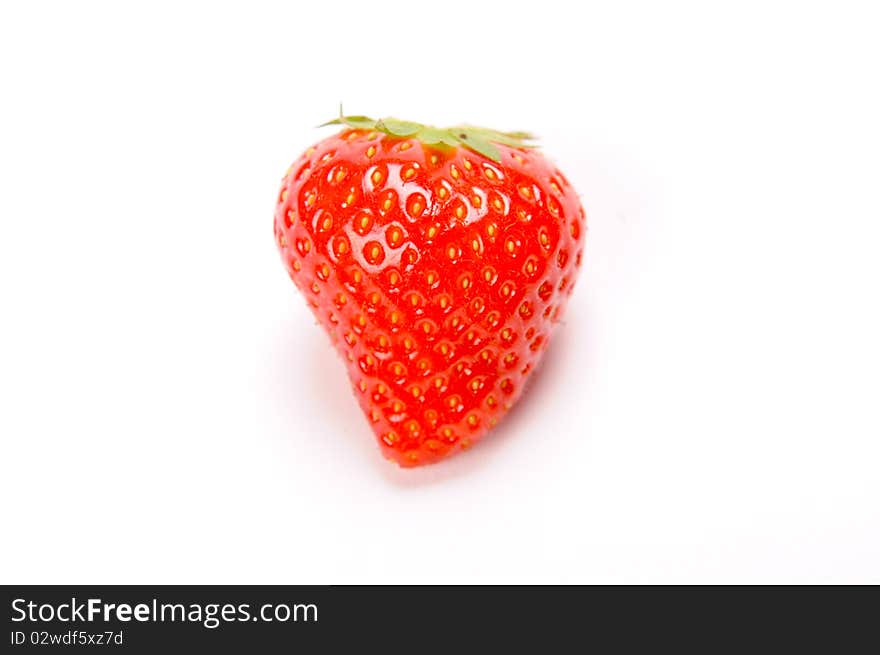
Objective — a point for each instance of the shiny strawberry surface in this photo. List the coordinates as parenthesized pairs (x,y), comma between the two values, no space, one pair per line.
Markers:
(438,273)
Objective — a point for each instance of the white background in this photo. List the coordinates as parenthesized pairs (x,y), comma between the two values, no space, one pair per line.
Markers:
(708,413)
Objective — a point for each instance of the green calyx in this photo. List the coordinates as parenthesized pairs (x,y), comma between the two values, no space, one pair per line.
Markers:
(481,140)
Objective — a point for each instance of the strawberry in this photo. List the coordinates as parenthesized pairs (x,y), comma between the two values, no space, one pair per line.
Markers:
(439,261)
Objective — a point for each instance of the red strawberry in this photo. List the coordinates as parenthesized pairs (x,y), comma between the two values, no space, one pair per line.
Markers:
(438,260)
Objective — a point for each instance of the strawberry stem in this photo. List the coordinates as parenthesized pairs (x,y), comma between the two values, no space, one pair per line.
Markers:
(481,140)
